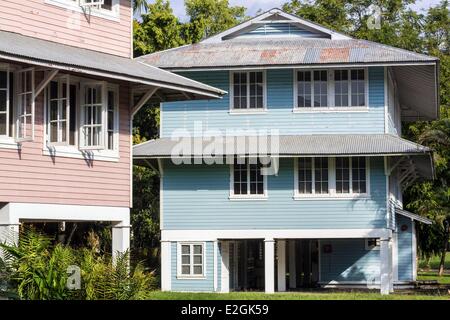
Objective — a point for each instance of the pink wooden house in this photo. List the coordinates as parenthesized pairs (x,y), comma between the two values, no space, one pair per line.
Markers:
(69,89)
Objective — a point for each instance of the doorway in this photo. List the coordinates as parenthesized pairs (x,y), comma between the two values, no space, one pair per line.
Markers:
(246,265)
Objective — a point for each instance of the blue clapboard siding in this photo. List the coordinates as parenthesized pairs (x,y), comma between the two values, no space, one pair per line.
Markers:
(197,197)
(214,114)
(349,261)
(404,249)
(206,284)
(280,29)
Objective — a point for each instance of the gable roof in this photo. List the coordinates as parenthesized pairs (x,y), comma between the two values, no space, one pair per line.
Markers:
(24,49)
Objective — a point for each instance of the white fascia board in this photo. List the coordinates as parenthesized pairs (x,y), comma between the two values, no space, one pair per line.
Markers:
(212,235)
(16,212)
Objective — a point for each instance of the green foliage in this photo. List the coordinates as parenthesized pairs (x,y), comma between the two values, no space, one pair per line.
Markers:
(35,269)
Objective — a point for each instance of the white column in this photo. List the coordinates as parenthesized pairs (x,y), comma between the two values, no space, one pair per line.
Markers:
(215,268)
(225,281)
(281,270)
(120,239)
(292,270)
(166,266)
(385,266)
(269,265)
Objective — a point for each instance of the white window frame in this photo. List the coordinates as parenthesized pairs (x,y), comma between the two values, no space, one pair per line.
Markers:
(191,276)
(17,93)
(247,110)
(313,178)
(331,97)
(74,6)
(102,135)
(115,89)
(368,247)
(332,194)
(247,196)
(60,81)
(74,151)
(5,68)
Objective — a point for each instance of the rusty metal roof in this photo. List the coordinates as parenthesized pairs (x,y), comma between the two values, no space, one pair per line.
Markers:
(278,52)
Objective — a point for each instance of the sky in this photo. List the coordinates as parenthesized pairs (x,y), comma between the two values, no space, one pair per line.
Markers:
(254,5)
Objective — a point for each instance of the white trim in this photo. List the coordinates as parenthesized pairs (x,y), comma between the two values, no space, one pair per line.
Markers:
(8,143)
(161,193)
(17,89)
(166,265)
(386,126)
(395,255)
(248,196)
(61,212)
(113,15)
(181,276)
(247,110)
(269,265)
(414,250)
(6,68)
(212,235)
(74,152)
(330,91)
(290,18)
(215,267)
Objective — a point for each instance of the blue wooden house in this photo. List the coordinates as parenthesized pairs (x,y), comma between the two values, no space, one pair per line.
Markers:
(294,179)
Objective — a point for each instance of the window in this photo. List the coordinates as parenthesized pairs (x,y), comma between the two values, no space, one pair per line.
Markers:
(108,10)
(247,178)
(4,103)
(313,176)
(111,119)
(312,84)
(25,105)
(372,244)
(92,127)
(247,90)
(331,177)
(191,260)
(107,4)
(358,90)
(351,175)
(61,112)
(341,88)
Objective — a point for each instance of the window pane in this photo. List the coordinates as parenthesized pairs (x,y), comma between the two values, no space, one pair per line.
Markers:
(3,79)
(304,89)
(240,90)
(198,270)
(305,175)
(358,87)
(256,90)
(320,88)
(359,175)
(321,175)
(185,259)
(185,249)
(341,88)
(2,123)
(198,249)
(342,175)
(3,100)
(186,270)
(198,259)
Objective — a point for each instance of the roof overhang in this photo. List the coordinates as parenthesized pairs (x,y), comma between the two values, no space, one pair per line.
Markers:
(19,49)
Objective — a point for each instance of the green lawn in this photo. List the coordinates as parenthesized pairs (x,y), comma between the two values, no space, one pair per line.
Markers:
(434,262)
(292,296)
(445,279)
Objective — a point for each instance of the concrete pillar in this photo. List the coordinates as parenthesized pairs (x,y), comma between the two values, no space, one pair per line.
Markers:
(120,239)
(385,265)
(166,266)
(292,265)
(281,268)
(269,265)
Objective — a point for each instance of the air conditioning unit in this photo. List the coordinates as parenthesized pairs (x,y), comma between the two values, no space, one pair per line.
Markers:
(91,3)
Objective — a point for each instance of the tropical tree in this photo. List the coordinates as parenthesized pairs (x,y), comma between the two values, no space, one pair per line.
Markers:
(140,6)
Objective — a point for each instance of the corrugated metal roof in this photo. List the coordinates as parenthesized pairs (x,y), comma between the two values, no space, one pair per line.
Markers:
(413,216)
(305,145)
(284,51)
(14,45)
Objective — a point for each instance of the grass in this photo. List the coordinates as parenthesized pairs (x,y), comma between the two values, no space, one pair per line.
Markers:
(445,279)
(158,295)
(434,262)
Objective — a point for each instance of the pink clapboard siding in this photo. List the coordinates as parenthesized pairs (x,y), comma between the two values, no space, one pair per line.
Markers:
(29,176)
(36,18)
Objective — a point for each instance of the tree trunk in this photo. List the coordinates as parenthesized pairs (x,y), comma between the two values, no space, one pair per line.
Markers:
(444,249)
